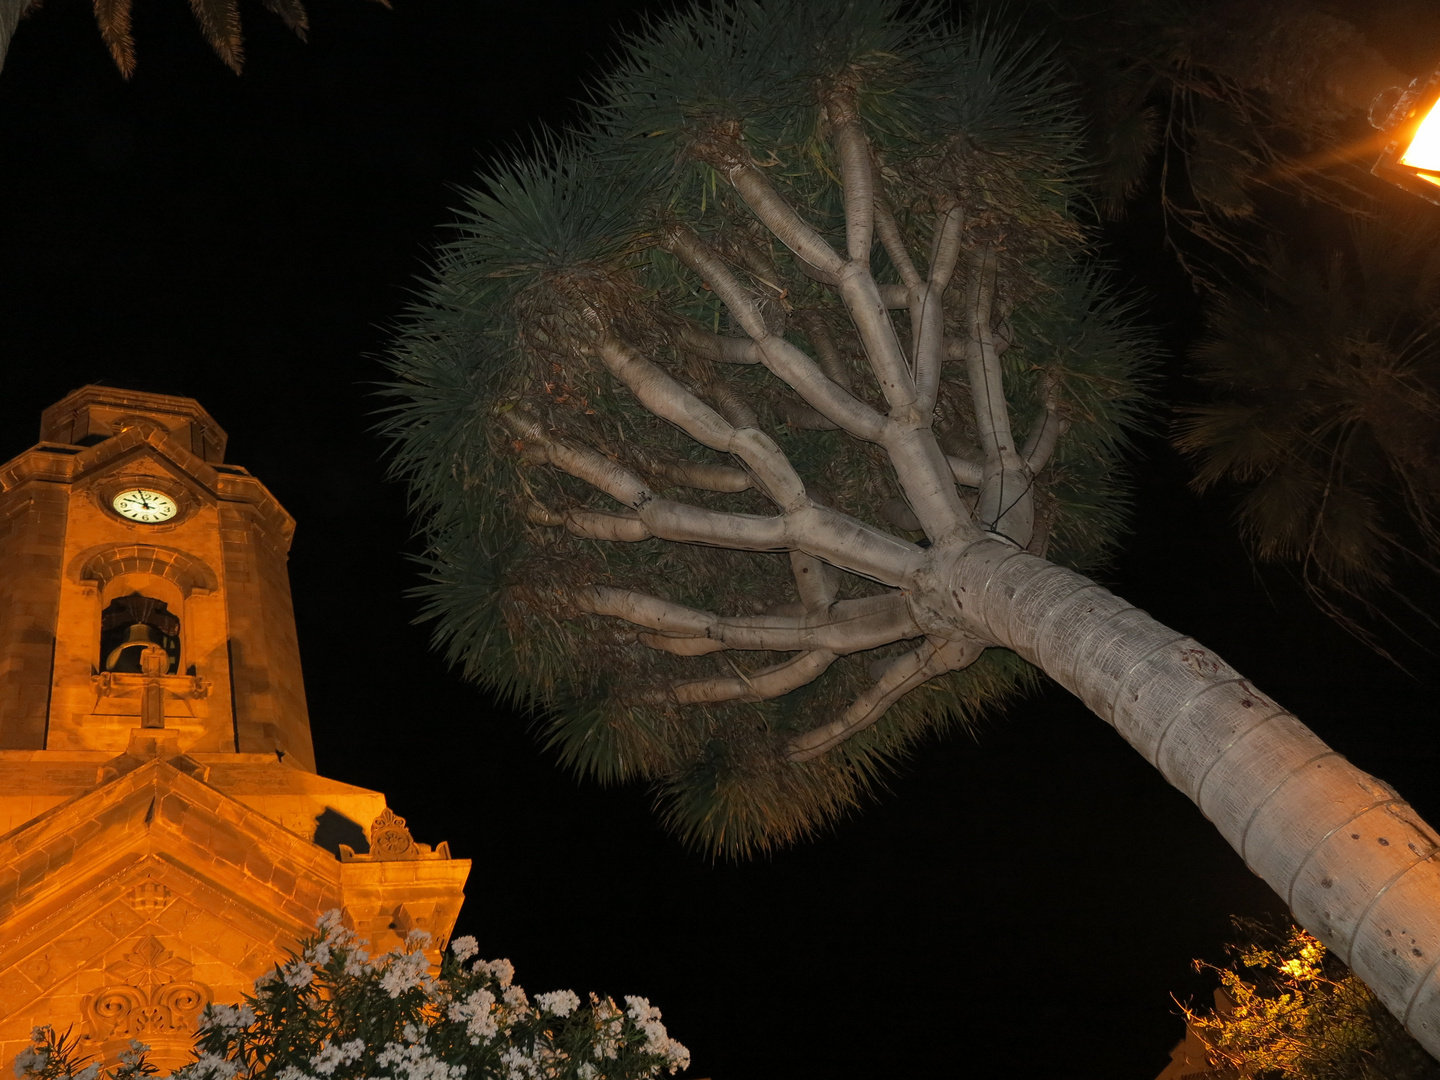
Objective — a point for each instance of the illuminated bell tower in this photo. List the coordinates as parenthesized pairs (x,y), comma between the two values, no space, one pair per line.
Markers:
(163,833)
(84,586)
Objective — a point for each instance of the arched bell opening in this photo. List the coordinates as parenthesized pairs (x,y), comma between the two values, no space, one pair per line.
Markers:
(130,624)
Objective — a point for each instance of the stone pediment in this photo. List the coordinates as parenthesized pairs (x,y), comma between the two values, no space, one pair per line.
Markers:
(137,901)
(140,452)
(159,810)
(32,782)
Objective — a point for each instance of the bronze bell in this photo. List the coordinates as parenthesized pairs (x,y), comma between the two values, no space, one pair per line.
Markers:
(138,637)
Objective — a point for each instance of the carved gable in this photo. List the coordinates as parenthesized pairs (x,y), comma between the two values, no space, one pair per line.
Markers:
(129,907)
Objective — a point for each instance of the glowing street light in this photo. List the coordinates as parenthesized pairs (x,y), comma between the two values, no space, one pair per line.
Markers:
(1411,119)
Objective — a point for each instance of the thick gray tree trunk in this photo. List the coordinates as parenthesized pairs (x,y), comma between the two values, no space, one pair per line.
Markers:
(1353,861)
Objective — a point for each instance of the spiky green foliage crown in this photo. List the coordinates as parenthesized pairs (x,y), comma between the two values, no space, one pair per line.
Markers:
(554,245)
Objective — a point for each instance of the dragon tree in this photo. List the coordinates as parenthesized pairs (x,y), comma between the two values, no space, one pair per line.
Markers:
(768,423)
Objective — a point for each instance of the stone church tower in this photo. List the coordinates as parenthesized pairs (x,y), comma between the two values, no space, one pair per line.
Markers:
(164,836)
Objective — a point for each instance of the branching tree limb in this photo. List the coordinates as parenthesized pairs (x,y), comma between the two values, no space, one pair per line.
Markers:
(637,312)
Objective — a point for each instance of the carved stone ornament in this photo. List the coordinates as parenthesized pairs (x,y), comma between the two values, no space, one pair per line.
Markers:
(124,684)
(390,841)
(149,898)
(151,996)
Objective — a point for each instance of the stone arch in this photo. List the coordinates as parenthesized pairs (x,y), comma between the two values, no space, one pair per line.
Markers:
(186,572)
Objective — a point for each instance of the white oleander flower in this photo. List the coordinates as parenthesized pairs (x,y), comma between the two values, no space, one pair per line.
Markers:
(502,970)
(229,1017)
(31,1059)
(559,1002)
(464,947)
(357,962)
(208,1067)
(131,1057)
(298,974)
(332,1055)
(404,972)
(639,1009)
(416,1063)
(476,1012)
(520,1065)
(333,931)
(678,1055)
(657,1039)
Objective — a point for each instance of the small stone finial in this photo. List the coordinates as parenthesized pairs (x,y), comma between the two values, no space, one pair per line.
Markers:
(390,839)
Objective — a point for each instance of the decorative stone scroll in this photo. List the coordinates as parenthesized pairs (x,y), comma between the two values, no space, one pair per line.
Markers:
(391,841)
(151,996)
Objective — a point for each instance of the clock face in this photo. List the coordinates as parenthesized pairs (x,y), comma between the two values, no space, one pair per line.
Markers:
(144,505)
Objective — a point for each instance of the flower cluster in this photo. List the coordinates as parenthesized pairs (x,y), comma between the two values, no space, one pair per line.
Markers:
(331,1012)
(57,1057)
(657,1039)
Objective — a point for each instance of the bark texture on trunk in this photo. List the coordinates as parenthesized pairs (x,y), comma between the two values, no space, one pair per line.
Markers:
(1353,861)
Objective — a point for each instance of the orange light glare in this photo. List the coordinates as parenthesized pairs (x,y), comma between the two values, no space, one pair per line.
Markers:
(1424,150)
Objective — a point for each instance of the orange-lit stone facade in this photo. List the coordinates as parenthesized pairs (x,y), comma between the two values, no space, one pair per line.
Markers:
(163,834)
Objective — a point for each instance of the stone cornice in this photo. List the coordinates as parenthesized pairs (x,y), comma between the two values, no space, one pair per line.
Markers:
(222,484)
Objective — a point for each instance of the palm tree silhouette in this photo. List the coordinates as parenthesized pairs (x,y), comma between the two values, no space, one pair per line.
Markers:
(1327,410)
(219,21)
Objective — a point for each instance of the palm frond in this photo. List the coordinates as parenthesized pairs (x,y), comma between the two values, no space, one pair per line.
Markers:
(292,14)
(113,19)
(220,23)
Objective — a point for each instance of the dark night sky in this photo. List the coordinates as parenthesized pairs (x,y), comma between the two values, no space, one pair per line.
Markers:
(1026,900)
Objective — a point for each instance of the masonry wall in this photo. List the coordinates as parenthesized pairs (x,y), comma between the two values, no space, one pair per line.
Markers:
(32,541)
(270,708)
